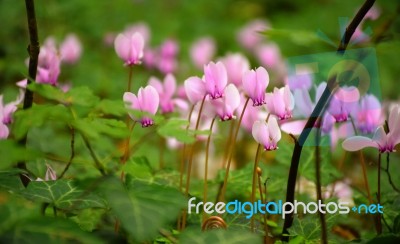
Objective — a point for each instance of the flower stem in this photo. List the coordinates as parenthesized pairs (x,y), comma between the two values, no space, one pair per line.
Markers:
(378,196)
(388,174)
(253,186)
(130,78)
(71,157)
(206,168)
(182,164)
(324,237)
(231,151)
(189,170)
(228,143)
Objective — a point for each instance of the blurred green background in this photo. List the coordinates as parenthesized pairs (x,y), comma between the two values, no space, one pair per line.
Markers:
(185,21)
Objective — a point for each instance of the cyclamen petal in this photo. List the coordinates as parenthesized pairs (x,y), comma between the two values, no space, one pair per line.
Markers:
(236,65)
(4,132)
(226,106)
(195,89)
(215,78)
(357,143)
(267,135)
(255,83)
(129,48)
(280,102)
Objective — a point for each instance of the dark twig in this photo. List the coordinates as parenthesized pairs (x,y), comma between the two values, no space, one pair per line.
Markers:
(33,50)
(71,157)
(98,165)
(316,113)
(388,174)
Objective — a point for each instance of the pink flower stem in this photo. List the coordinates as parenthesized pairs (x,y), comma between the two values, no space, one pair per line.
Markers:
(182,164)
(231,151)
(253,188)
(130,78)
(189,170)
(206,168)
(228,142)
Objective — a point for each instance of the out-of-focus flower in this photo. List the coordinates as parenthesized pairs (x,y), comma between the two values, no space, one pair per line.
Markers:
(70,49)
(141,28)
(129,48)
(49,75)
(6,111)
(268,55)
(226,106)
(303,79)
(267,134)
(255,83)
(215,79)
(169,48)
(202,51)
(166,92)
(384,142)
(195,89)
(341,190)
(280,102)
(147,101)
(248,35)
(343,103)
(236,64)
(368,114)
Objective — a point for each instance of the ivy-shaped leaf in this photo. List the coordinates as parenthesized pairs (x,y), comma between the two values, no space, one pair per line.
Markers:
(143,208)
(62,194)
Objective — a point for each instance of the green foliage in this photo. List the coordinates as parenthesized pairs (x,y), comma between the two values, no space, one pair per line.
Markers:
(11,153)
(96,127)
(219,236)
(176,128)
(143,208)
(62,194)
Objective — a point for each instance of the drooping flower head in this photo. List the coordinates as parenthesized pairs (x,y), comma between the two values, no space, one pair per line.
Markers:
(343,103)
(267,134)
(384,142)
(147,101)
(226,106)
(280,102)
(202,51)
(129,48)
(236,64)
(255,83)
(368,114)
(215,79)
(70,49)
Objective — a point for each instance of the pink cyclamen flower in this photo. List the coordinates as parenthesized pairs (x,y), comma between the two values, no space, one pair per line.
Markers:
(249,36)
(70,49)
(140,27)
(236,64)
(166,91)
(215,79)
(50,74)
(202,51)
(368,114)
(169,48)
(195,89)
(343,103)
(280,102)
(255,83)
(129,48)
(267,134)
(146,101)
(225,107)
(382,141)
(268,55)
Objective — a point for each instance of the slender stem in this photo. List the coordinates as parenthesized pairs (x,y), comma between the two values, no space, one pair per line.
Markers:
(71,157)
(127,151)
(189,170)
(388,174)
(228,142)
(291,185)
(130,77)
(97,163)
(324,237)
(206,168)
(162,149)
(232,147)
(33,50)
(378,196)
(182,163)
(253,186)
(263,200)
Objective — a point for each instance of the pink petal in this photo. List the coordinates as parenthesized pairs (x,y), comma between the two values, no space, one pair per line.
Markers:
(149,99)
(248,81)
(169,85)
(294,127)
(260,132)
(357,143)
(195,89)
(232,96)
(394,118)
(273,129)
(380,137)
(137,43)
(3,131)
(156,83)
(303,101)
(288,98)
(132,100)
(122,47)
(262,77)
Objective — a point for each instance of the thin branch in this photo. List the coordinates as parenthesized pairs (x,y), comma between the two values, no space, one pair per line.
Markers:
(388,174)
(98,165)
(33,50)
(72,153)
(316,113)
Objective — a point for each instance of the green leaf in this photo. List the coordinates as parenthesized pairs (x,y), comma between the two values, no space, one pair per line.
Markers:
(176,128)
(138,167)
(10,181)
(385,238)
(81,96)
(219,236)
(47,230)
(112,107)
(62,194)
(396,224)
(299,37)
(11,153)
(48,91)
(88,219)
(143,208)
(96,127)
(38,115)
